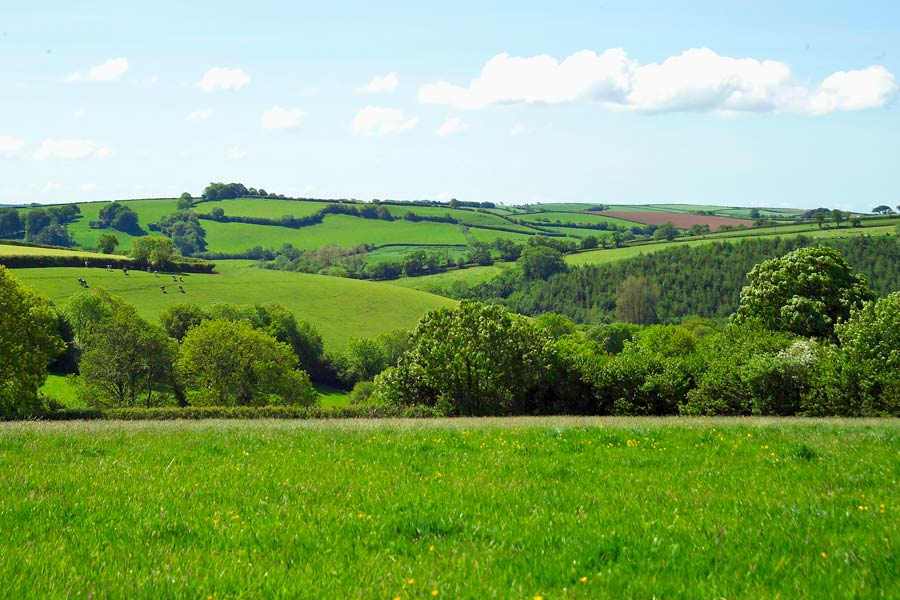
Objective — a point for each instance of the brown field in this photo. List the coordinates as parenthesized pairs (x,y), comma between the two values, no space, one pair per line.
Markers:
(680,220)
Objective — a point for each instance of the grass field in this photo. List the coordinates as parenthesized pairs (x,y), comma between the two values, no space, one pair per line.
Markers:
(573,217)
(466,217)
(517,508)
(614,254)
(266,208)
(339,308)
(9,250)
(471,275)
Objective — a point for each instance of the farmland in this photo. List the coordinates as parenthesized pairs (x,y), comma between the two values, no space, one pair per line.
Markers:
(680,220)
(339,308)
(553,508)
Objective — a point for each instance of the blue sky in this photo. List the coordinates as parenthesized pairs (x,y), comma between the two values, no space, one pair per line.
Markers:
(738,103)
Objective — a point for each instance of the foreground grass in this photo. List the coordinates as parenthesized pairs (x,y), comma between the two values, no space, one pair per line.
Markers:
(512,508)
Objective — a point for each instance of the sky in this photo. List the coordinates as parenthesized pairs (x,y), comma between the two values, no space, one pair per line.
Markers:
(739,103)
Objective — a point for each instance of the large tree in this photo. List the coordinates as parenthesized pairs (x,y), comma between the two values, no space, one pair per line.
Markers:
(228,363)
(805,292)
(636,300)
(540,262)
(28,341)
(154,250)
(475,359)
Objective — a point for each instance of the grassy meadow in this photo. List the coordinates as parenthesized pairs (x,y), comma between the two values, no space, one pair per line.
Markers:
(467,508)
(339,308)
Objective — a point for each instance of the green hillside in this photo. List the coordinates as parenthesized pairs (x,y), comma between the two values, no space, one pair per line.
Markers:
(339,308)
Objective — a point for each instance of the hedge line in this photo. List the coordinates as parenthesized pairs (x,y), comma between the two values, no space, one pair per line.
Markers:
(183,265)
(241,412)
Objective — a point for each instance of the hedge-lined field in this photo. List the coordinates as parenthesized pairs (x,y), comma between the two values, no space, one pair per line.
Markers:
(515,508)
(339,308)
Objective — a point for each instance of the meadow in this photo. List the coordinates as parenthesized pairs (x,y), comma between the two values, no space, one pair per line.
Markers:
(505,508)
(10,250)
(339,308)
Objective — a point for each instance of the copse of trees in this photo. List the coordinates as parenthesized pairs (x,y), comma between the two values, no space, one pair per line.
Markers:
(28,342)
(119,217)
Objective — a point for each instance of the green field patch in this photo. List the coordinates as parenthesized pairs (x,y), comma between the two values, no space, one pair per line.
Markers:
(340,308)
(468,508)
(549,218)
(437,281)
(466,217)
(343,230)
(264,208)
(11,250)
(397,253)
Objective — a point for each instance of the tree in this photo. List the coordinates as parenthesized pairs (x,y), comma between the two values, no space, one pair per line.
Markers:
(361,360)
(475,359)
(227,363)
(35,222)
(666,231)
(10,223)
(107,243)
(838,217)
(540,262)
(881,209)
(125,361)
(177,320)
(28,342)
(805,292)
(153,250)
(54,235)
(820,219)
(636,300)
(126,221)
(184,201)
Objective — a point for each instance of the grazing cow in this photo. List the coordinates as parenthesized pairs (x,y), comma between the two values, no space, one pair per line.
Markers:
(174,278)
(181,289)
(181,279)
(162,288)
(125,269)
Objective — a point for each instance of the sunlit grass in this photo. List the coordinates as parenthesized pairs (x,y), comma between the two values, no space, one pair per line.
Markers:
(518,508)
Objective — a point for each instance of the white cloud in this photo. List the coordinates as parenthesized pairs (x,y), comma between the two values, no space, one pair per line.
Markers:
(199,115)
(10,146)
(519,130)
(388,83)
(281,118)
(111,70)
(146,82)
(88,187)
(696,80)
(235,153)
(377,121)
(70,149)
(223,78)
(451,126)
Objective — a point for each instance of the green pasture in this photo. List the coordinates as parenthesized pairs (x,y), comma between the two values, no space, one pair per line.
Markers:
(396,253)
(564,206)
(468,508)
(265,208)
(614,254)
(11,250)
(335,229)
(470,275)
(466,217)
(573,217)
(339,308)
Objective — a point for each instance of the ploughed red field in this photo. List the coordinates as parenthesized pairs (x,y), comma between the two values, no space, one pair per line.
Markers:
(680,220)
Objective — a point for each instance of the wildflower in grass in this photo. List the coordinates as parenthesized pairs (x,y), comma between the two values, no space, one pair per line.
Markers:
(410,581)
(434,592)
(824,555)
(862,507)
(431,548)
(583,580)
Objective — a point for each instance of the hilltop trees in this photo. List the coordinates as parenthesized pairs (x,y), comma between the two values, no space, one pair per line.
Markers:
(28,341)
(11,224)
(806,292)
(120,217)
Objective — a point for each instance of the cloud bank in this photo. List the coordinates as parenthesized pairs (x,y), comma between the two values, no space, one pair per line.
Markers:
(111,70)
(388,83)
(281,118)
(223,78)
(70,149)
(697,80)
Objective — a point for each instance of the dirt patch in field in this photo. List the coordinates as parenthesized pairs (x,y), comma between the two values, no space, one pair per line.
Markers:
(680,220)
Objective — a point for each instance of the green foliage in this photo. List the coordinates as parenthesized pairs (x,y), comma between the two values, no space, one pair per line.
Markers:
(636,300)
(806,292)
(612,337)
(177,320)
(121,217)
(475,360)
(554,325)
(28,342)
(107,243)
(540,262)
(11,225)
(152,250)
(188,236)
(361,360)
(227,363)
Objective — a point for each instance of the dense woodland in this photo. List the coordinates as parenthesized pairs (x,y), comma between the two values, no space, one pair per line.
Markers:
(700,281)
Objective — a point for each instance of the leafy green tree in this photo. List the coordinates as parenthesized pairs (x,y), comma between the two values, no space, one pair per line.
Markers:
(480,254)
(611,337)
(35,222)
(881,209)
(540,262)
(28,342)
(227,363)
(820,218)
(838,217)
(806,292)
(177,320)
(472,360)
(107,243)
(361,360)
(86,310)
(10,223)
(636,300)
(555,325)
(126,361)
(184,202)
(153,250)
(667,231)
(54,235)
